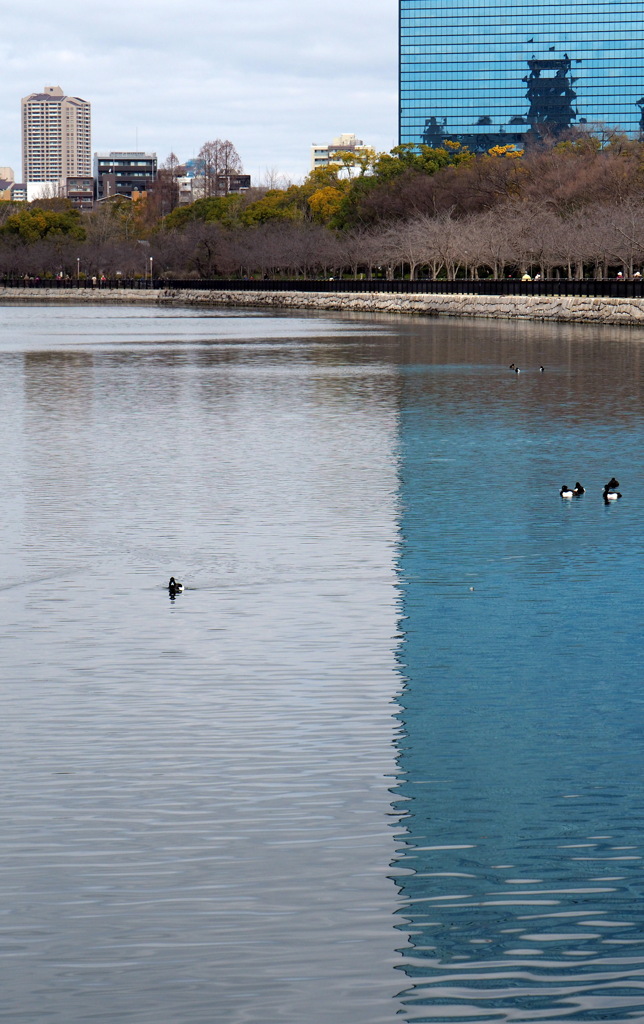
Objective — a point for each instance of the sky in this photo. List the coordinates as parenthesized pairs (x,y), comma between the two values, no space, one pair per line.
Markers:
(271,77)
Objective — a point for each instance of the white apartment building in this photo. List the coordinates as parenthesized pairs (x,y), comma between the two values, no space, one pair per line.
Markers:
(322,155)
(56,136)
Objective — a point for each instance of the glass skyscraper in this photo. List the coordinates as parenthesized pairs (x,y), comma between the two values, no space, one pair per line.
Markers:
(486,73)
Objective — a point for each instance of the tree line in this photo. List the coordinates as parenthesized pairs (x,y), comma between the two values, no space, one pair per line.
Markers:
(574,208)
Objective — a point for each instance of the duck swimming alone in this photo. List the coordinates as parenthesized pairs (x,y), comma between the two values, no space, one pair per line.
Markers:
(174,587)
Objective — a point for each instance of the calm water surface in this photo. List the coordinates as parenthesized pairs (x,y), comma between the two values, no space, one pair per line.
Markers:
(383,759)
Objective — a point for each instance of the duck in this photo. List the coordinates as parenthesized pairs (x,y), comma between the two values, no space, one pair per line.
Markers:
(567,492)
(578,489)
(174,587)
(517,369)
(542,369)
(511,367)
(610,492)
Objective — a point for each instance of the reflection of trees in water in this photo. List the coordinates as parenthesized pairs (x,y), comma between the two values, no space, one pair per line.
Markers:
(57,452)
(59,383)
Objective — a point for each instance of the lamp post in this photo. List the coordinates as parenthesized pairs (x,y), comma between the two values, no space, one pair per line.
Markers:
(78,268)
(151,263)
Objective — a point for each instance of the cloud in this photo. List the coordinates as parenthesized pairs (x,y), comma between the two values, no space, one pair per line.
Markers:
(272,77)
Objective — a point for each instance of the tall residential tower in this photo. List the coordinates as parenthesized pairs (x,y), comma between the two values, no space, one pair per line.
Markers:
(56,136)
(487,73)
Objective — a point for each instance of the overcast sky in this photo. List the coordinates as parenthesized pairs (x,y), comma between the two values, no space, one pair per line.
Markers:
(271,76)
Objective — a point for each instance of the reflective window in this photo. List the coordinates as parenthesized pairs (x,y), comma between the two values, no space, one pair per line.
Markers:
(486,74)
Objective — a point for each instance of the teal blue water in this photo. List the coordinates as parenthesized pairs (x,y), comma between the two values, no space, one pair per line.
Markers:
(522,721)
(383,758)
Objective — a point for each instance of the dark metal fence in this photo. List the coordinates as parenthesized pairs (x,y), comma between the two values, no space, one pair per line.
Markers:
(616,289)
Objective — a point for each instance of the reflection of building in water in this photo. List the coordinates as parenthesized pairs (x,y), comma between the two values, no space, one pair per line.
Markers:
(463,69)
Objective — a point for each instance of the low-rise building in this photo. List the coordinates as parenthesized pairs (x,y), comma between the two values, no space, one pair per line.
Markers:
(194,186)
(12,191)
(322,155)
(229,183)
(184,186)
(18,192)
(80,192)
(45,190)
(122,173)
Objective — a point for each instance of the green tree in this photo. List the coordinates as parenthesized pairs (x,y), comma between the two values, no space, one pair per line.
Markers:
(32,224)
(277,205)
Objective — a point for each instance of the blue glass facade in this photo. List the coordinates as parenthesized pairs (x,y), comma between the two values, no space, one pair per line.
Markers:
(486,73)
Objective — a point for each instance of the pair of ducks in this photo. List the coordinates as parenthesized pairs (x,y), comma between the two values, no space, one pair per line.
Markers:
(610,492)
(517,369)
(572,492)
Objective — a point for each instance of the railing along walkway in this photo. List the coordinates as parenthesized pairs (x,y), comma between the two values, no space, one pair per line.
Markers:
(616,289)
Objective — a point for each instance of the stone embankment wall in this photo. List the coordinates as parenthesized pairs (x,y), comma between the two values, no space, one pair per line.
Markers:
(513,307)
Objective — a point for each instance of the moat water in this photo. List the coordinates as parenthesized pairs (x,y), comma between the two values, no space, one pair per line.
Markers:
(383,759)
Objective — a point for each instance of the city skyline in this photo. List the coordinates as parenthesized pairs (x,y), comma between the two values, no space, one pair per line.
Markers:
(271,81)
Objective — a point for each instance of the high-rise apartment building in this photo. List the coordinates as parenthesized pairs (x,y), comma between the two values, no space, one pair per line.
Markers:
(56,136)
(487,73)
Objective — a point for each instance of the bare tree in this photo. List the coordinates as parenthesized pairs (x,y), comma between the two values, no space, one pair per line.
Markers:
(216,161)
(429,229)
(166,187)
(272,179)
(356,251)
(480,244)
(627,244)
(444,246)
(408,244)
